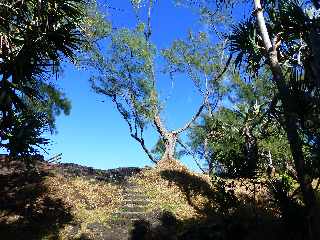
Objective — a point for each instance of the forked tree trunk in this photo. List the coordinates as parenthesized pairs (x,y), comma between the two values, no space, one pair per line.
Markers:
(170,137)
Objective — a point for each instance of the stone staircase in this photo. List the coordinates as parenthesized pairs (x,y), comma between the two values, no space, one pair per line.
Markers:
(133,208)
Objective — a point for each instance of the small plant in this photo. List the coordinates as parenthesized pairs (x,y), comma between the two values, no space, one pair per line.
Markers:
(225,196)
(286,198)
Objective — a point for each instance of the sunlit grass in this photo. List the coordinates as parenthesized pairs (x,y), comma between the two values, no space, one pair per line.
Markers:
(89,201)
(164,195)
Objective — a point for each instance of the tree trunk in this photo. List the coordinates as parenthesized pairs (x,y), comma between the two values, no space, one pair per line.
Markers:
(270,169)
(251,151)
(290,120)
(207,156)
(169,138)
(170,141)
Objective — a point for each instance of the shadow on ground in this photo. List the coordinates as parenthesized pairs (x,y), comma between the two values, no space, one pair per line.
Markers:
(224,217)
(26,210)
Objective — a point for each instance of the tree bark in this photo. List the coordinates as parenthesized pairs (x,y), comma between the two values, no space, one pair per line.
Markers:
(170,141)
(170,137)
(251,150)
(270,168)
(290,117)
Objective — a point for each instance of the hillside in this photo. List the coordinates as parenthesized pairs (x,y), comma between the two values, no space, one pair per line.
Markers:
(69,201)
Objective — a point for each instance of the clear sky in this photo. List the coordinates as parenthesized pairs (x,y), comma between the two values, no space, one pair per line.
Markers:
(94,134)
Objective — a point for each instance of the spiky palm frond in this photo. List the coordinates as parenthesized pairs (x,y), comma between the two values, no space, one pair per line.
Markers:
(292,20)
(35,36)
(246,43)
(288,24)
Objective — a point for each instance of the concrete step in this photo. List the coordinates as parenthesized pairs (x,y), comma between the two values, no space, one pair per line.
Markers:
(124,222)
(135,197)
(133,208)
(128,215)
(142,202)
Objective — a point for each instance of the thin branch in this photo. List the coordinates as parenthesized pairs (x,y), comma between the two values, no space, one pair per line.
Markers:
(42,148)
(149,30)
(125,117)
(141,141)
(225,68)
(193,119)
(189,152)
(134,135)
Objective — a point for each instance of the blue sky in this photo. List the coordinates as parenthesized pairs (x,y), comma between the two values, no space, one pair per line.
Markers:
(94,134)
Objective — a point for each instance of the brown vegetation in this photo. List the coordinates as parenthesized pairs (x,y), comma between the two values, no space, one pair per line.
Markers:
(48,204)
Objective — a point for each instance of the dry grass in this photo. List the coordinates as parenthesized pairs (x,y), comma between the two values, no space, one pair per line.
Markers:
(166,195)
(187,195)
(89,201)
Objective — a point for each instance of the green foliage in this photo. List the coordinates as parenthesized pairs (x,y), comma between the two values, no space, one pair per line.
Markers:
(227,129)
(292,28)
(24,136)
(127,73)
(284,196)
(286,21)
(245,37)
(35,37)
(227,143)
(94,24)
(287,183)
(199,58)
(225,196)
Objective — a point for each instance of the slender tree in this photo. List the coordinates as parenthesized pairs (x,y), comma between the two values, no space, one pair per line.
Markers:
(283,36)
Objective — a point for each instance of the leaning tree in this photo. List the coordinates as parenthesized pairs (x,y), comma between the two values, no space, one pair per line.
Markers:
(128,74)
(284,36)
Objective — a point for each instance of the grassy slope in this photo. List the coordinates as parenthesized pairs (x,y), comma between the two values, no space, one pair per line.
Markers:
(47,205)
(51,205)
(202,207)
(90,202)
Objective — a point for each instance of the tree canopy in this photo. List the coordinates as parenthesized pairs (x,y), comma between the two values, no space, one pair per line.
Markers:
(36,37)
(129,73)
